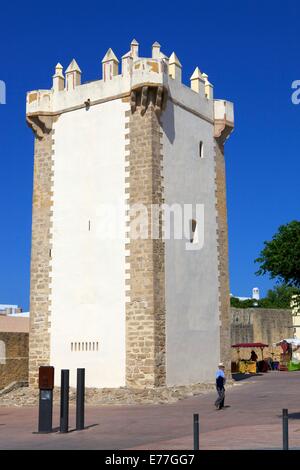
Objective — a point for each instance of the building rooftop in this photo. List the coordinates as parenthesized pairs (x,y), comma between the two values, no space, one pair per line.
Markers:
(12,324)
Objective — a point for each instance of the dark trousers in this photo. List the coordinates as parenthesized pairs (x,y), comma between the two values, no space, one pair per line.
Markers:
(219,403)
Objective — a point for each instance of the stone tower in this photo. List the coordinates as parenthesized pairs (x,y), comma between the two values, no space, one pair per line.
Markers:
(115,286)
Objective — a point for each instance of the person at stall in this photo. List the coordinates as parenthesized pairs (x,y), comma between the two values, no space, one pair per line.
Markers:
(254,356)
(269,362)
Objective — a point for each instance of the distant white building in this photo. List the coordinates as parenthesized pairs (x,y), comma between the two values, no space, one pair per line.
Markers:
(6,309)
(13,311)
(255,295)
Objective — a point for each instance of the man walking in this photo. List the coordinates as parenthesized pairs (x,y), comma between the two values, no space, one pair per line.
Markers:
(220,382)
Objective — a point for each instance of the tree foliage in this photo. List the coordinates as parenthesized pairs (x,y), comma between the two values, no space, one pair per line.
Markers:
(279,297)
(248,303)
(280,257)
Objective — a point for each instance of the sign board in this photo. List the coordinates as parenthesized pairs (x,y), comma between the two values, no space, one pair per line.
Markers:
(46,378)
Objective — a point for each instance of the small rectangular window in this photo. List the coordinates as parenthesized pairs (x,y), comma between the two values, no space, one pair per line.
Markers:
(193,227)
(201,149)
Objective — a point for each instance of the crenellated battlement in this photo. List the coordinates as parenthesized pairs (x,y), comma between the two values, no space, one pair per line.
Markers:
(123,80)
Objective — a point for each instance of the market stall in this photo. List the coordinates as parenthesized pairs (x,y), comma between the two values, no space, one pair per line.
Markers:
(290,356)
(252,365)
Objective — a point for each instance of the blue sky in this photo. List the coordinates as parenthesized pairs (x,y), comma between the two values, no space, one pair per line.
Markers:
(249,49)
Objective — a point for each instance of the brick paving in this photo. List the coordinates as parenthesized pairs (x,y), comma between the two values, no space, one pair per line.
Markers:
(252,420)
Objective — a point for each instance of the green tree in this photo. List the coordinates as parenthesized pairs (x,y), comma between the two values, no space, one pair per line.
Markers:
(280,257)
(248,303)
(279,297)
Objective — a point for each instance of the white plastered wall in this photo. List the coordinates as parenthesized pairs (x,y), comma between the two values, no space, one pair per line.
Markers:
(88,264)
(192,295)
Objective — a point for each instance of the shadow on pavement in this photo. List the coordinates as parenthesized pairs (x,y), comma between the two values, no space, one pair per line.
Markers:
(294,415)
(56,430)
(86,427)
(239,376)
(291,415)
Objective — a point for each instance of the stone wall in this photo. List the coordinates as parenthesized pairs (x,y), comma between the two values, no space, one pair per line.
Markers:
(14,358)
(224,297)
(25,396)
(145,311)
(259,325)
(40,253)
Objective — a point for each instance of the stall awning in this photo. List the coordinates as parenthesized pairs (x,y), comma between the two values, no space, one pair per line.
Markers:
(293,341)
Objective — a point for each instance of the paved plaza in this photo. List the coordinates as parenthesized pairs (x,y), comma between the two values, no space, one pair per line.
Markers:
(251,420)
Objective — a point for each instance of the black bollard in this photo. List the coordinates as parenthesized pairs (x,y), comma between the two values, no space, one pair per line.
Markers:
(196,431)
(80,399)
(64,401)
(285,429)
(46,385)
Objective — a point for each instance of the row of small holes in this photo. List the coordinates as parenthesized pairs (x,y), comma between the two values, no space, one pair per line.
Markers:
(85,346)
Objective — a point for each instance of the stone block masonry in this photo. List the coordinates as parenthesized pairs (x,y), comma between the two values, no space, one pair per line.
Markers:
(39,343)
(222,236)
(260,325)
(145,313)
(14,358)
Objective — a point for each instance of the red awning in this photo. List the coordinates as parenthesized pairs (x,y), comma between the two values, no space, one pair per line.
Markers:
(250,345)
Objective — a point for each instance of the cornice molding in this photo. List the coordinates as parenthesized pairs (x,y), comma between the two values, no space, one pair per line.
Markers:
(141,97)
(223,129)
(40,124)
